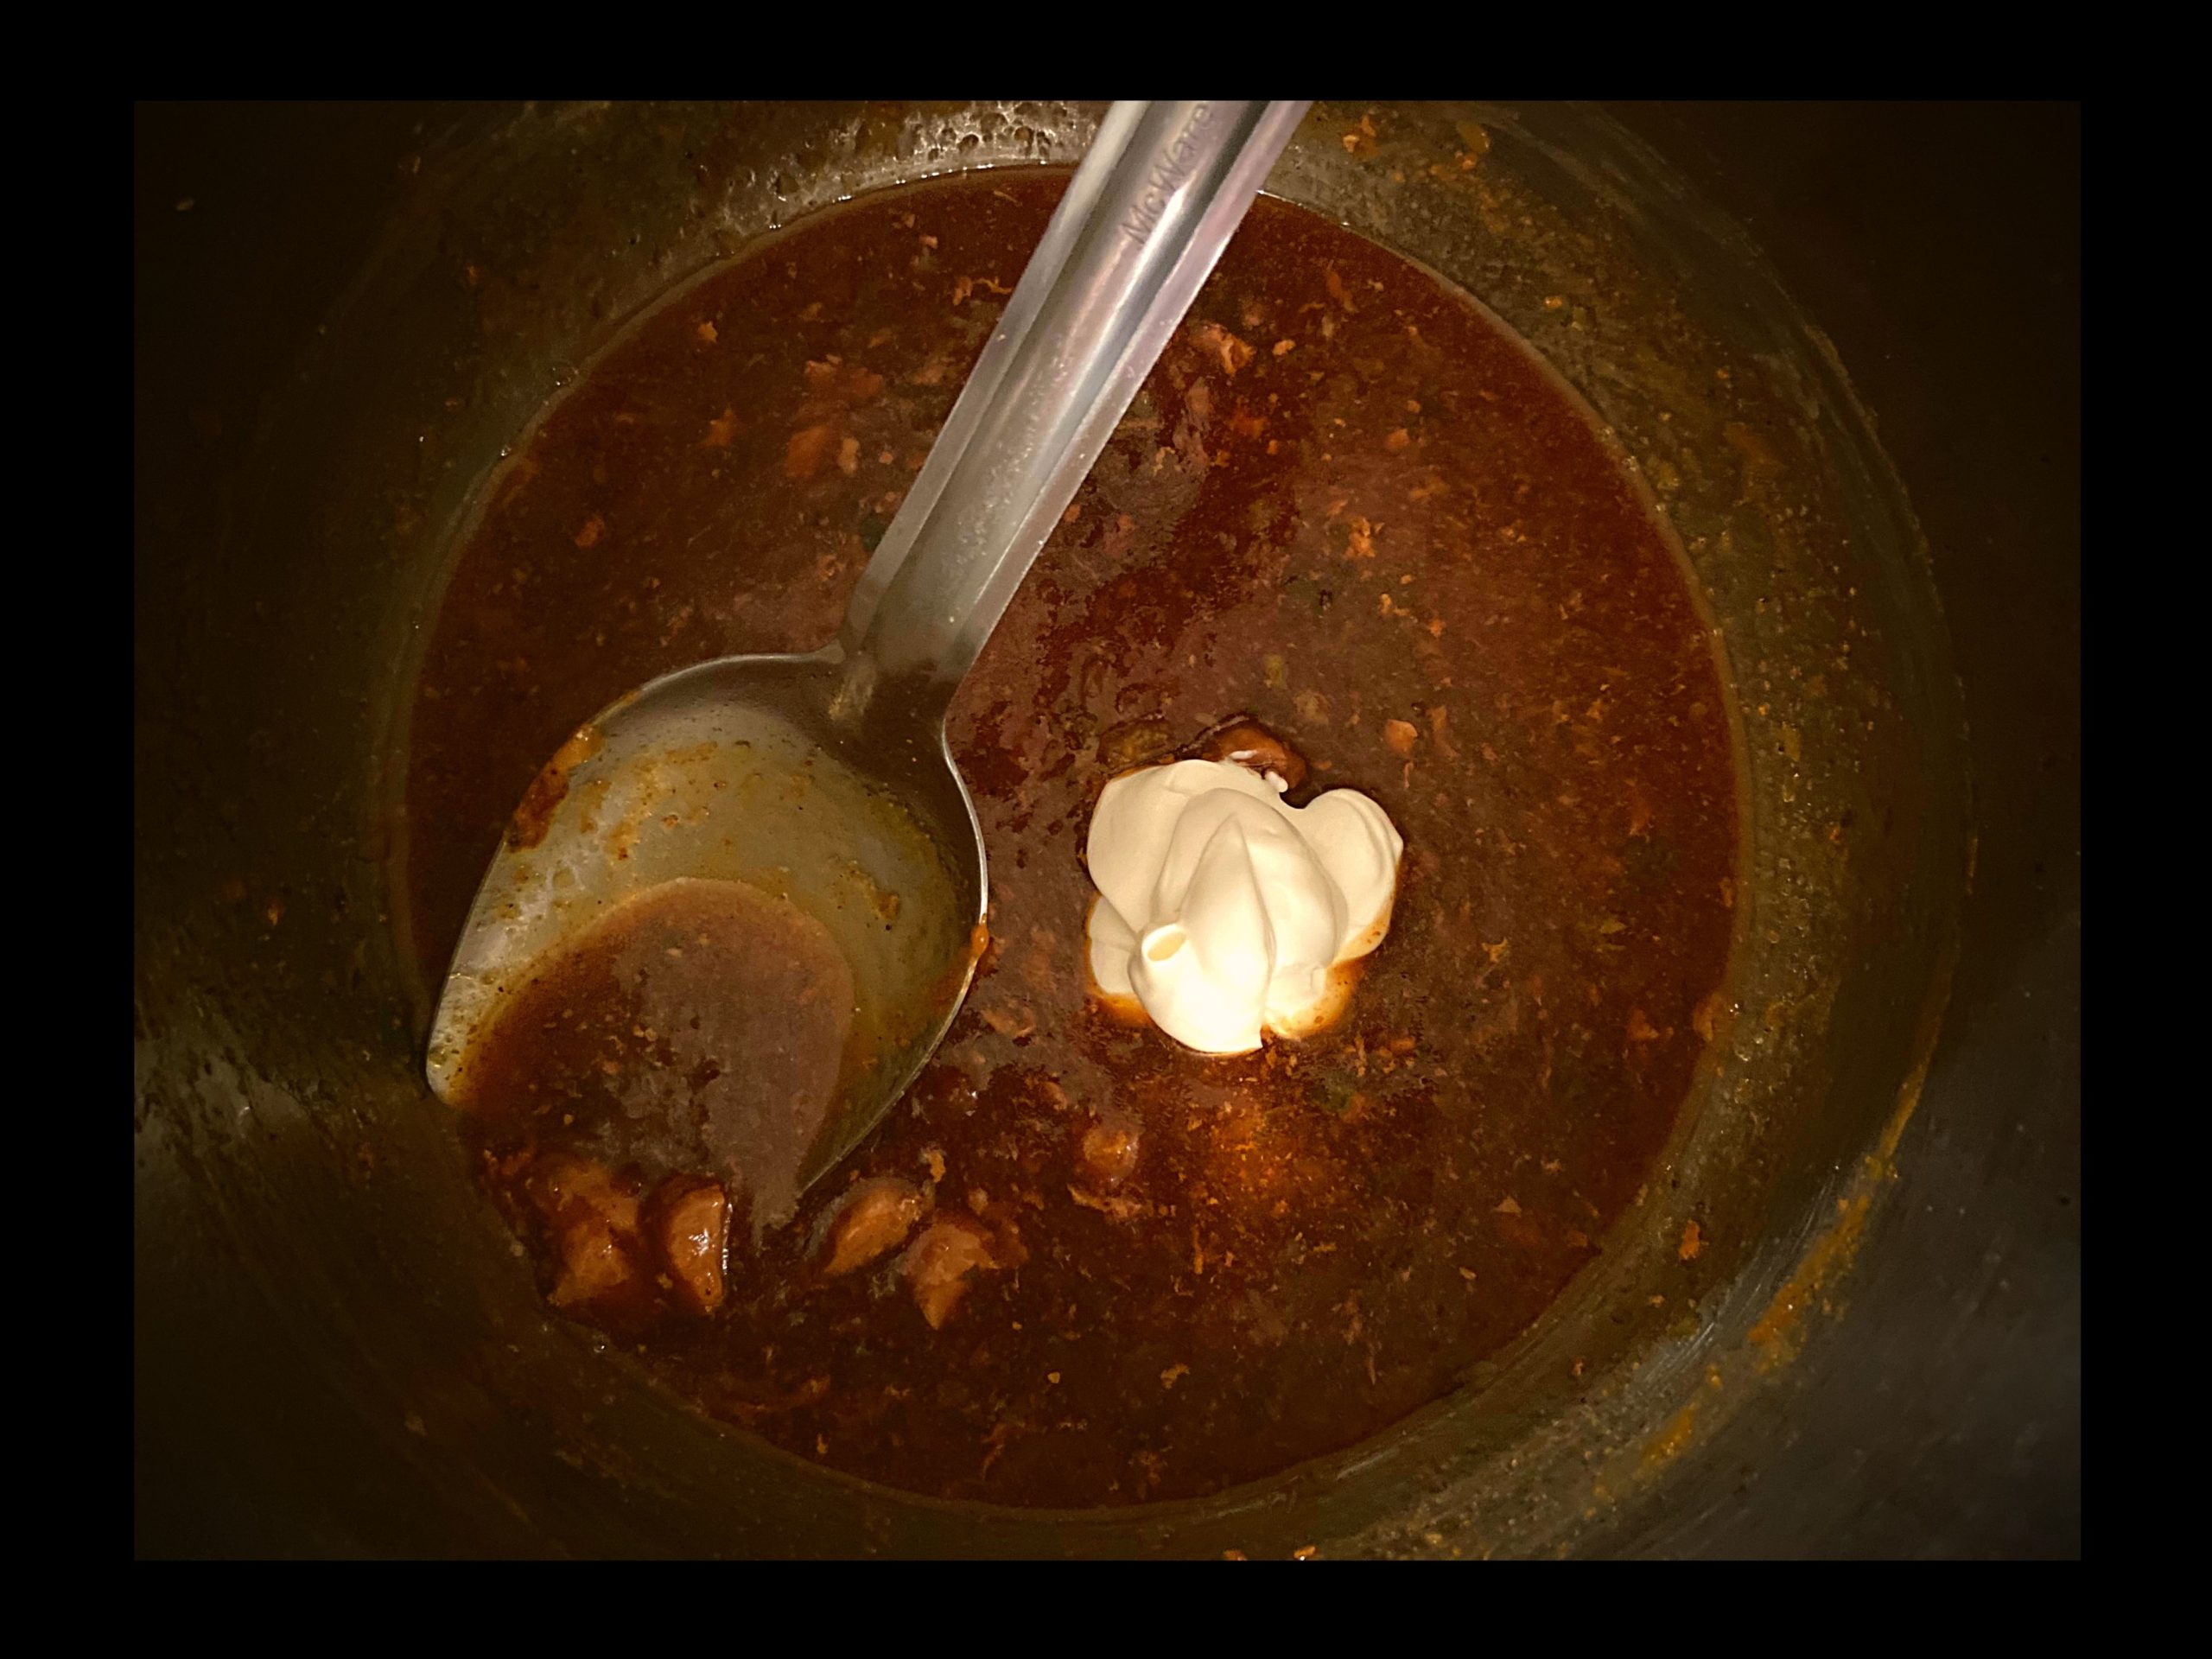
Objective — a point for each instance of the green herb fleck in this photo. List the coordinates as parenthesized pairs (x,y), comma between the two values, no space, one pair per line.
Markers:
(1335,1092)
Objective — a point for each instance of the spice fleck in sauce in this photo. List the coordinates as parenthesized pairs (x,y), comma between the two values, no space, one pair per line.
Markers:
(1079,1265)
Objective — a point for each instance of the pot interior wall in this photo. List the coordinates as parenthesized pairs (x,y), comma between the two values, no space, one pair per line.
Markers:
(337,1348)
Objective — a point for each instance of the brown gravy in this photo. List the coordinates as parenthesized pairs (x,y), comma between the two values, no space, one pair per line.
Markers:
(699,1026)
(1078,1265)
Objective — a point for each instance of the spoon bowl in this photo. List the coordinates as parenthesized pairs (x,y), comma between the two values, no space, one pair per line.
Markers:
(740,770)
(824,779)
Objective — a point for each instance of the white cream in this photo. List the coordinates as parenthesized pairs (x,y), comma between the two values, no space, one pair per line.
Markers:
(1223,911)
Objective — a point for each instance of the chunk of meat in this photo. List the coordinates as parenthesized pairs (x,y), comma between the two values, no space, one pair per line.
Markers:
(1218,343)
(1109,1153)
(938,1264)
(693,1233)
(1113,1208)
(595,1221)
(1134,743)
(833,387)
(810,446)
(1242,742)
(876,1218)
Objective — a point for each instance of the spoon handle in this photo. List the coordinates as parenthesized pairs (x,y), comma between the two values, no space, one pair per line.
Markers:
(1157,197)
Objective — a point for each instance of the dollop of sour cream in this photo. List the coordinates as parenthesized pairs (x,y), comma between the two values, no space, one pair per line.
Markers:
(1224,913)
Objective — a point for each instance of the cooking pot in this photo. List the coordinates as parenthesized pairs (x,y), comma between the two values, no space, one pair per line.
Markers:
(345,318)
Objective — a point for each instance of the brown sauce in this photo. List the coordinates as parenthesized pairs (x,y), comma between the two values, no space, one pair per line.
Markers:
(699,1026)
(1078,1265)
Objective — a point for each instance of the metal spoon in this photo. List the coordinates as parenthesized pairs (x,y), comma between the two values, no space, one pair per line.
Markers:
(825,778)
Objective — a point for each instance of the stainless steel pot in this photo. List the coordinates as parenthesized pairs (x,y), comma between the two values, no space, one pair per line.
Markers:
(337,1348)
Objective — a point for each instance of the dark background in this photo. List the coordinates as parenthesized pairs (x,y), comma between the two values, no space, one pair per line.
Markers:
(1939,247)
